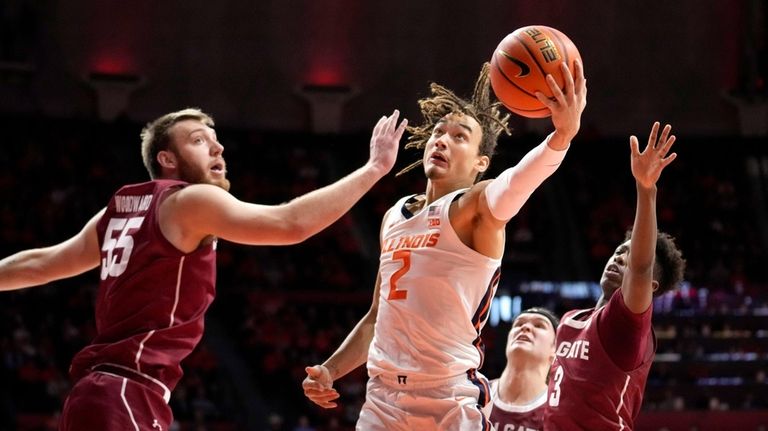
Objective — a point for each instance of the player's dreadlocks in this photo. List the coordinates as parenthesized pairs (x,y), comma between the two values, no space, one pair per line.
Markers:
(444,102)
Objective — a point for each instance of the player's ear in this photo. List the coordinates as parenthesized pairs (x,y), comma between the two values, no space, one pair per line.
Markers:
(167,159)
(654,286)
(482,163)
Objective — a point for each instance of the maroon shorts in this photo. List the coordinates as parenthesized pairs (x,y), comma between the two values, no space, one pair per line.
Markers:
(107,402)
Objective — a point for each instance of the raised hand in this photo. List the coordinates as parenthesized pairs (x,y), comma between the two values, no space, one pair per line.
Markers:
(567,106)
(318,386)
(385,141)
(647,165)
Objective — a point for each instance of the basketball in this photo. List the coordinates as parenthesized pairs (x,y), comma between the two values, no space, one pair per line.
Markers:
(521,62)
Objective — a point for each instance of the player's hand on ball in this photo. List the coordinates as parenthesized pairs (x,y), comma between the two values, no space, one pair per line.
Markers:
(318,386)
(567,104)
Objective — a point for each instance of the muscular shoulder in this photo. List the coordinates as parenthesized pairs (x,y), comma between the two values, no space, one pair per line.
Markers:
(197,198)
(469,201)
(472,208)
(186,215)
(200,192)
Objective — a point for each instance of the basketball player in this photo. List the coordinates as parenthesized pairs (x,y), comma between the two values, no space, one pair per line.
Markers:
(155,245)
(439,265)
(519,396)
(604,354)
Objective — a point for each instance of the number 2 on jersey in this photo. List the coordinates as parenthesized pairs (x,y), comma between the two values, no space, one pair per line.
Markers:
(405,256)
(112,265)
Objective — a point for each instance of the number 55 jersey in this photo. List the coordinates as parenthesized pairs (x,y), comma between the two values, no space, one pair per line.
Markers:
(152,297)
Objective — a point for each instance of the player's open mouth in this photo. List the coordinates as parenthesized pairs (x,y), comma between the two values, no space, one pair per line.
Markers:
(613,269)
(438,158)
(218,168)
(523,338)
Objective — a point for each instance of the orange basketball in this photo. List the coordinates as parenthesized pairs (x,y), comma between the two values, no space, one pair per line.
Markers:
(521,63)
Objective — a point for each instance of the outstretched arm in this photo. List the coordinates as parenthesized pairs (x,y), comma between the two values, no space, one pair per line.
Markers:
(637,286)
(505,195)
(626,320)
(353,352)
(201,210)
(42,265)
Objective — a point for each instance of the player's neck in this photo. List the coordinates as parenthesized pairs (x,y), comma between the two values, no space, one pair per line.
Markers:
(521,385)
(439,188)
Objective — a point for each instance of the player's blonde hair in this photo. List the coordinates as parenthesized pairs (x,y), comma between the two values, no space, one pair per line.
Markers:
(444,102)
(155,136)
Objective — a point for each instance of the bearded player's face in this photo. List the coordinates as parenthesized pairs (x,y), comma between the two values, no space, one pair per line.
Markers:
(199,155)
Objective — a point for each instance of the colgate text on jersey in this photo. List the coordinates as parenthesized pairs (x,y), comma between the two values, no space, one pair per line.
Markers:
(578,349)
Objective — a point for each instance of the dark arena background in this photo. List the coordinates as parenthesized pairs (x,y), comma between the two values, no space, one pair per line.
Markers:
(295,88)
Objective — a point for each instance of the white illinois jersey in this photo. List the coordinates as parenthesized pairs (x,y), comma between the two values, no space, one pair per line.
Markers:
(435,296)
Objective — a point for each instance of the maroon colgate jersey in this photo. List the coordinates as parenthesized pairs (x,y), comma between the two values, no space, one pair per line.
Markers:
(513,417)
(152,297)
(587,390)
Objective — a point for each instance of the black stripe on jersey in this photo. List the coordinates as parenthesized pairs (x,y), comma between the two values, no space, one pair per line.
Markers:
(484,397)
(481,314)
(485,307)
(480,346)
(404,209)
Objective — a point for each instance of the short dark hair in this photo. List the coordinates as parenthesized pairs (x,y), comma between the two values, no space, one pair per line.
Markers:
(551,316)
(155,136)
(444,102)
(669,266)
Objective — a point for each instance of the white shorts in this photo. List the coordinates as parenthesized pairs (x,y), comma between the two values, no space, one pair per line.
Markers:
(452,405)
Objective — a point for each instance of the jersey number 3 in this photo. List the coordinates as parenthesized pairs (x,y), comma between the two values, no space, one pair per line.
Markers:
(118,245)
(554,396)
(405,256)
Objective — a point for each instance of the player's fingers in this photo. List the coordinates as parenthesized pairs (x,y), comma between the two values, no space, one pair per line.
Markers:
(578,71)
(667,144)
(664,133)
(569,86)
(392,121)
(581,81)
(315,371)
(327,405)
(634,145)
(379,125)
(322,395)
(312,384)
(556,92)
(653,135)
(546,101)
(667,160)
(322,402)
(401,129)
